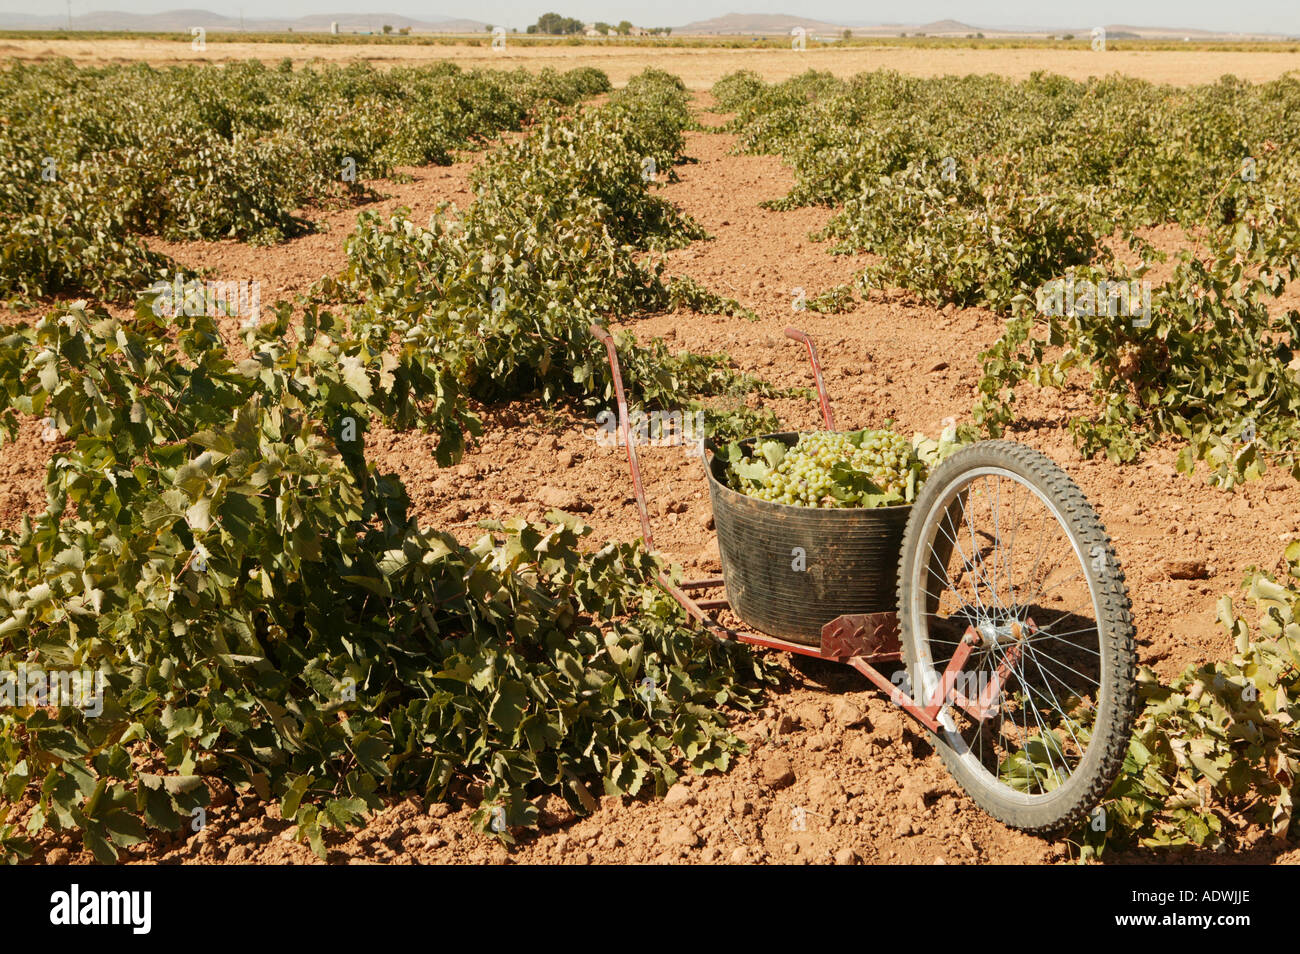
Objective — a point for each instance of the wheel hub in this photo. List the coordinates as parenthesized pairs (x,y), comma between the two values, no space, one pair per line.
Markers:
(992,633)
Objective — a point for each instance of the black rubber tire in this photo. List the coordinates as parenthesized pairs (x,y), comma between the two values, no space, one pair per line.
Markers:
(1117,702)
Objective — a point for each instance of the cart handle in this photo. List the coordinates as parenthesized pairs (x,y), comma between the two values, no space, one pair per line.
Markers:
(797,335)
(625,432)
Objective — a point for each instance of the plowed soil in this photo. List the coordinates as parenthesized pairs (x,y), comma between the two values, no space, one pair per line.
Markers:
(699,67)
(834,773)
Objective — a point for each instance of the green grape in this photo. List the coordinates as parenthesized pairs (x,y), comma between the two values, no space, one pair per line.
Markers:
(804,478)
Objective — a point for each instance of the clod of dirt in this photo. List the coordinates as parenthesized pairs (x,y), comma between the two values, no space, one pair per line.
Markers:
(679,837)
(847,856)
(679,796)
(860,750)
(562,499)
(1186,569)
(847,714)
(920,793)
(811,715)
(824,791)
(888,726)
(776,772)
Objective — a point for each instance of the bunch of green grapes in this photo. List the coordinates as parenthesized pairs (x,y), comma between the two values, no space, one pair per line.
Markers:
(803,477)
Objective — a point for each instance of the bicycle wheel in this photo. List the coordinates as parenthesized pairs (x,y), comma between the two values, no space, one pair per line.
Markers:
(1004,560)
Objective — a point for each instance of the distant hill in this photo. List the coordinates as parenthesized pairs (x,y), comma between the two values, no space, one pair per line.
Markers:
(1157,31)
(1122,31)
(181,21)
(946,28)
(758,24)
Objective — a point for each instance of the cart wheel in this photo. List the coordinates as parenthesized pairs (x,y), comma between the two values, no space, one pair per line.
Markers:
(1002,552)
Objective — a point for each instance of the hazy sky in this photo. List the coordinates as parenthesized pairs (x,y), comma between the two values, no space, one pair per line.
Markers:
(1273,16)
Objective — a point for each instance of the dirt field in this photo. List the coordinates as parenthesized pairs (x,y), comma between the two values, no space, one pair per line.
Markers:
(834,772)
(699,68)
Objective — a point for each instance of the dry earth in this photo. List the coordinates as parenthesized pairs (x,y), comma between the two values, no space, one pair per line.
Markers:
(834,772)
(699,67)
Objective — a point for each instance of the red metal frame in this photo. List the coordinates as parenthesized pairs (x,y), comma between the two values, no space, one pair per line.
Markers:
(625,431)
(857,640)
(792,332)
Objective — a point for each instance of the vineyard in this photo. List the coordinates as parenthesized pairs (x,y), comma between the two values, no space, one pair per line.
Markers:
(356,560)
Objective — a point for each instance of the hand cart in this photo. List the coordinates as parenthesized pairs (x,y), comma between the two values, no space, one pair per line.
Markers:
(996,589)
